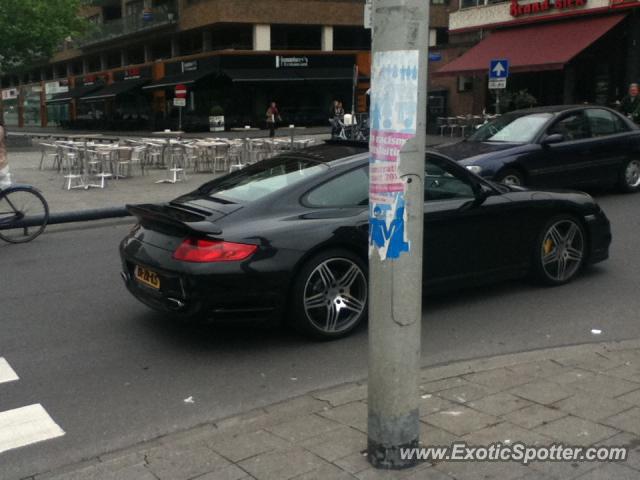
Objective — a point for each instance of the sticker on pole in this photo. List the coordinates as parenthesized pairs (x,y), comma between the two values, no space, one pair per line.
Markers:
(394,100)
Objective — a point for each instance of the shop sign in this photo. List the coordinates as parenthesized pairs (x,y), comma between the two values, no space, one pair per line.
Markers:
(93,79)
(283,62)
(51,88)
(519,9)
(190,66)
(132,74)
(10,94)
(368,15)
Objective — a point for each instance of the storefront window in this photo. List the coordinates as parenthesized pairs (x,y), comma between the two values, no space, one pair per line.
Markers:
(10,112)
(32,106)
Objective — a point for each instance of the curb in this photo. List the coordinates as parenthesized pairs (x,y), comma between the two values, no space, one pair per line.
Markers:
(338,396)
(76,216)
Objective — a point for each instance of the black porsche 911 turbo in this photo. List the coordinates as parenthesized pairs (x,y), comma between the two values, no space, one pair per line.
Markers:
(559,147)
(286,238)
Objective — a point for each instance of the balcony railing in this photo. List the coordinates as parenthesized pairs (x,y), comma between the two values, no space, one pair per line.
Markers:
(122,27)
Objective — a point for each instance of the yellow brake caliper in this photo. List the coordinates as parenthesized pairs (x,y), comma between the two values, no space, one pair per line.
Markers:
(548,246)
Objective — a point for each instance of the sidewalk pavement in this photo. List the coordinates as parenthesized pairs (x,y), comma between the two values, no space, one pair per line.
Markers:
(578,395)
(24,164)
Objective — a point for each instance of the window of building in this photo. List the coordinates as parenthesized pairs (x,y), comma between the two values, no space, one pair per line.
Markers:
(471,3)
(94,64)
(161,49)
(438,36)
(465,84)
(114,59)
(135,55)
(76,68)
(296,37)
(190,42)
(134,8)
(351,38)
(439,2)
(232,37)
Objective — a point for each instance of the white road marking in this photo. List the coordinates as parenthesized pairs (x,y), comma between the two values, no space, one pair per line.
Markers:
(26,425)
(6,372)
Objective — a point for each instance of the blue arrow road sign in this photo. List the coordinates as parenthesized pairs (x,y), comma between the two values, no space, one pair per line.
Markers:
(499,68)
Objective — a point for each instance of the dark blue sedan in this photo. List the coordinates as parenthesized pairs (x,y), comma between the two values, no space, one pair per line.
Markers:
(562,146)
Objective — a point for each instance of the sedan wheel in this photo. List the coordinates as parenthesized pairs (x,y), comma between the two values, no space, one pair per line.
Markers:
(630,179)
(511,177)
(561,251)
(330,295)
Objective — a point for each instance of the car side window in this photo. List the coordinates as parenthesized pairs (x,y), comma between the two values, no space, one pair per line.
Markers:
(440,184)
(603,122)
(571,127)
(347,190)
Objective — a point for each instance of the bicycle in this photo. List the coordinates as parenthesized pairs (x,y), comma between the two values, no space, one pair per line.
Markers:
(24,213)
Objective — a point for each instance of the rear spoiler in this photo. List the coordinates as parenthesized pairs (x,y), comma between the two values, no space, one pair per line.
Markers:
(175,217)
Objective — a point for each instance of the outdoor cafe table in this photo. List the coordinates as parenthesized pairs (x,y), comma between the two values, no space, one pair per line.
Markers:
(169,135)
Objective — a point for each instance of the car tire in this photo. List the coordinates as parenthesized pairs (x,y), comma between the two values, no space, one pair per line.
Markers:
(511,176)
(629,181)
(329,295)
(560,251)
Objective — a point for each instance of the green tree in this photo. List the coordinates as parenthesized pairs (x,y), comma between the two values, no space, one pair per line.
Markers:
(31,30)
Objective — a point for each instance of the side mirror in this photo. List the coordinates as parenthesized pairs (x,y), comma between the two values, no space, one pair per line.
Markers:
(551,139)
(481,196)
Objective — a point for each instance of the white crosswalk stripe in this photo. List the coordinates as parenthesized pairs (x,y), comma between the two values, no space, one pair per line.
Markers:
(23,426)
(6,372)
(26,425)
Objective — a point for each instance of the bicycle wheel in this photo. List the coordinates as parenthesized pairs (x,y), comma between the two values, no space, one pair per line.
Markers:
(24,214)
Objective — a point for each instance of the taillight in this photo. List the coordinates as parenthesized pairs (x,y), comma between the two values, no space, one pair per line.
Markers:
(199,250)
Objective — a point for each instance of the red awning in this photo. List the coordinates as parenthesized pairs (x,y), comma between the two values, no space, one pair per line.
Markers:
(534,47)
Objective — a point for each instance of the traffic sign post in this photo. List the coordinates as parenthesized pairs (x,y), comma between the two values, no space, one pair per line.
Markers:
(498,74)
(180,101)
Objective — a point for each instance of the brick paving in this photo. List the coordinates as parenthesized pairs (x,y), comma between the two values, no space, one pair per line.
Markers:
(580,395)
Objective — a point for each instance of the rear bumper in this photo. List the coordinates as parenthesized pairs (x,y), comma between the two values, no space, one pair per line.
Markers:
(226,291)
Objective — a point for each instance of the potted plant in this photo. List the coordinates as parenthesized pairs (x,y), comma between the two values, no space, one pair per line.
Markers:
(216,119)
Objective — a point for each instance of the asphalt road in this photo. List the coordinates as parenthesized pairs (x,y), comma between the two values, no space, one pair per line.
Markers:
(111,373)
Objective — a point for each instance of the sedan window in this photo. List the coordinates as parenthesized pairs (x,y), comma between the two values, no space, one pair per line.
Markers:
(571,127)
(604,122)
(347,190)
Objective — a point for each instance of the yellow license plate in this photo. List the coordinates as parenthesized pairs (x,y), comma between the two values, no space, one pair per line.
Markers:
(147,277)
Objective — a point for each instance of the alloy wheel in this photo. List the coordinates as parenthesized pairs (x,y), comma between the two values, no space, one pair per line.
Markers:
(562,250)
(335,295)
(511,179)
(632,174)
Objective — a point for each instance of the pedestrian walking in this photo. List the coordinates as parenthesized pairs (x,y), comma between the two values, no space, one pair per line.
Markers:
(273,116)
(630,105)
(333,119)
(5,176)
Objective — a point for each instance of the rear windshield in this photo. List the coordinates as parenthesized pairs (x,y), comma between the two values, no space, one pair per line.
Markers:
(259,180)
